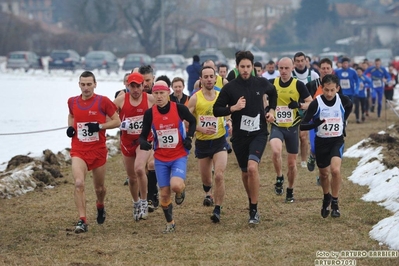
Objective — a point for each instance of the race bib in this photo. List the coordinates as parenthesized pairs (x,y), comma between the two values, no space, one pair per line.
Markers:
(168,138)
(208,120)
(250,123)
(135,125)
(377,83)
(345,84)
(331,128)
(84,135)
(284,114)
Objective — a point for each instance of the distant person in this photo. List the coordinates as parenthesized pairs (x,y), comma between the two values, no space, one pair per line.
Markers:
(379,76)
(329,144)
(126,89)
(271,71)
(193,72)
(178,96)
(220,82)
(360,101)
(164,78)
(349,81)
(258,69)
(223,70)
(390,86)
(89,116)
(171,144)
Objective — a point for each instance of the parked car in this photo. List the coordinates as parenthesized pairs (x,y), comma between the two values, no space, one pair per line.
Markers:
(262,57)
(101,60)
(24,59)
(136,60)
(213,54)
(333,56)
(169,62)
(64,59)
(385,55)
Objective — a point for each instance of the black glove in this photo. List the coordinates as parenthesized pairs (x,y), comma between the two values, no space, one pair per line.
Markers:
(145,145)
(93,127)
(187,143)
(318,122)
(70,132)
(293,104)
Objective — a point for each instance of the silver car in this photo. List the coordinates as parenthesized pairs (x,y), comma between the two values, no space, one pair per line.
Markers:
(24,60)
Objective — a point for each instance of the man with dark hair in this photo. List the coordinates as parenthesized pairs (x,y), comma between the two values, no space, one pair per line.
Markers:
(152,193)
(348,79)
(244,98)
(304,74)
(258,69)
(193,71)
(329,144)
(164,78)
(271,71)
(222,70)
(89,116)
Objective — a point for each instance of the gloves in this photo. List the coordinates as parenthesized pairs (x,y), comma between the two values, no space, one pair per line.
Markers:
(187,143)
(145,145)
(293,104)
(93,127)
(70,132)
(318,122)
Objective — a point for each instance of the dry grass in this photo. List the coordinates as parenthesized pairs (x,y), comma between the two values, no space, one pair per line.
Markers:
(36,229)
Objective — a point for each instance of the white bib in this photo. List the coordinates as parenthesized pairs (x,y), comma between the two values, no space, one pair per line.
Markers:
(84,135)
(345,84)
(284,114)
(250,123)
(168,138)
(208,120)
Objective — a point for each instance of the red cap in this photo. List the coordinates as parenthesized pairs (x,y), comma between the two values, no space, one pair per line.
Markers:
(135,77)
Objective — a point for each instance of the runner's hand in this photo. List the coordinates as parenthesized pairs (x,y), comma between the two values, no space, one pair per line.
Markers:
(187,143)
(293,104)
(93,127)
(145,145)
(71,132)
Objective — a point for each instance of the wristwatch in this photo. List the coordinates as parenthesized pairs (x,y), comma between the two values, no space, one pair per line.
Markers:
(100,126)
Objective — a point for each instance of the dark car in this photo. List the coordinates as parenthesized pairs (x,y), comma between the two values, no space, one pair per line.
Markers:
(64,59)
(213,54)
(101,60)
(24,59)
(170,62)
(136,60)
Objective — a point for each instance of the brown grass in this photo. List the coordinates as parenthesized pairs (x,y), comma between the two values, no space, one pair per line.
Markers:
(37,229)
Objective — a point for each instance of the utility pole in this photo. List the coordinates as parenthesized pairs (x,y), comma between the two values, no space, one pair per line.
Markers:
(162,28)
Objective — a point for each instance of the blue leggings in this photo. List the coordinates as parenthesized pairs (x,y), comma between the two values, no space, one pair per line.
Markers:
(377,94)
(312,136)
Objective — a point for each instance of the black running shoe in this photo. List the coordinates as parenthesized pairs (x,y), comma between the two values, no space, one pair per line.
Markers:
(179,197)
(151,207)
(215,216)
(311,162)
(278,187)
(335,209)
(81,227)
(325,207)
(101,215)
(208,201)
(253,217)
(126,181)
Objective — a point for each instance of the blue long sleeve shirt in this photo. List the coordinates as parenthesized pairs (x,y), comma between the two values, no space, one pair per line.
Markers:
(349,81)
(364,83)
(377,75)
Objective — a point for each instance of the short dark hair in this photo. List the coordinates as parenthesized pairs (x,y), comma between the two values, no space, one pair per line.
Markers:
(143,70)
(223,65)
(207,67)
(271,62)
(196,58)
(177,79)
(164,78)
(244,55)
(325,61)
(330,78)
(87,74)
(258,64)
(299,54)
(345,59)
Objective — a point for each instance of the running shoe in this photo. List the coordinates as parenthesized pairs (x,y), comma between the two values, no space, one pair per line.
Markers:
(335,209)
(144,210)
(311,163)
(215,216)
(126,181)
(278,187)
(101,215)
(318,180)
(81,227)
(325,207)
(208,201)
(151,207)
(179,197)
(170,228)
(136,210)
(303,164)
(253,217)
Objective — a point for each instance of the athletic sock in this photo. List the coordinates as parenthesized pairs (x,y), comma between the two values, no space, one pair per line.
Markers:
(83,219)
(206,188)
